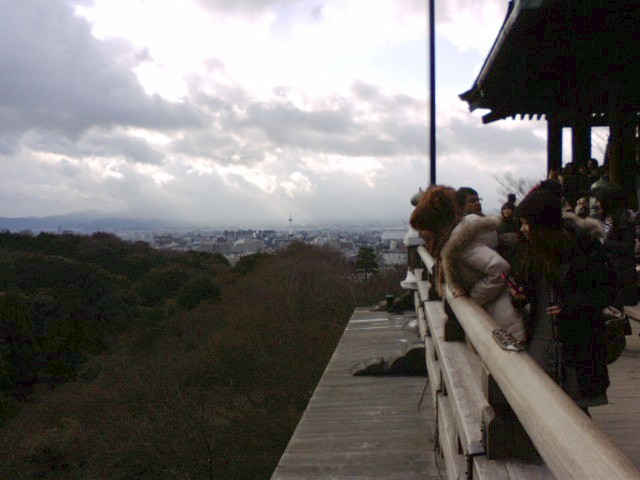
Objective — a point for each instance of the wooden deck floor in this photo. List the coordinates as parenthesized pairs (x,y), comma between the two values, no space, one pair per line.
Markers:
(364,427)
(620,419)
(369,427)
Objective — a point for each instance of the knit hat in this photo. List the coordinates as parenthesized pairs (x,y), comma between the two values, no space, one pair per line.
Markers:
(541,207)
(552,186)
(608,192)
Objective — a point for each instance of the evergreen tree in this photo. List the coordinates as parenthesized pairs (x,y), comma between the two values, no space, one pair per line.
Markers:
(366,261)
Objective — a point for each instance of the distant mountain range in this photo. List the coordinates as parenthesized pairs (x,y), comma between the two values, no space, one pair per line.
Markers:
(86,221)
(98,221)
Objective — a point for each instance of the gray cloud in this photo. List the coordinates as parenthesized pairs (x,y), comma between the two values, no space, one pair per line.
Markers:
(67,98)
(489,140)
(56,76)
(69,169)
(94,143)
(132,149)
(8,145)
(244,6)
(340,131)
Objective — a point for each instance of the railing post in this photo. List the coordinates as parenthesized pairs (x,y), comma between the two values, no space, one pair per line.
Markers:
(431,269)
(503,435)
(453,331)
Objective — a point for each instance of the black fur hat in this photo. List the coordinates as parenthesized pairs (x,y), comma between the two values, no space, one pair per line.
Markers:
(541,207)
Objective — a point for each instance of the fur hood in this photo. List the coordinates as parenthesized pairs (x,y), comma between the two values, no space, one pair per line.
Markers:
(583,227)
(471,229)
(468,231)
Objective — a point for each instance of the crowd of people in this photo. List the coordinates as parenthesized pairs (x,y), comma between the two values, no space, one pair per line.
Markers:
(544,269)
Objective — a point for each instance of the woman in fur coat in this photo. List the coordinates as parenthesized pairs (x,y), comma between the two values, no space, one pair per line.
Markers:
(562,266)
(465,247)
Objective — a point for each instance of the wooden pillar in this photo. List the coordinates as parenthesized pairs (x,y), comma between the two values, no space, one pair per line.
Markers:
(554,144)
(581,142)
(622,161)
(635,196)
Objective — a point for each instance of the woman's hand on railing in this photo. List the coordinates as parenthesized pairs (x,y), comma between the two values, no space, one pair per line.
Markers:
(458,293)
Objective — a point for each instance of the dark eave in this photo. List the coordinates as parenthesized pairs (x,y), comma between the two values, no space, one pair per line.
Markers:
(563,58)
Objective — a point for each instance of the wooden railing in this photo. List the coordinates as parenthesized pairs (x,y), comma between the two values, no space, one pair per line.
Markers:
(494,405)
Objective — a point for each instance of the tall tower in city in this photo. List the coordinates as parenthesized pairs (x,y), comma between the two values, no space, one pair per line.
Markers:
(290,229)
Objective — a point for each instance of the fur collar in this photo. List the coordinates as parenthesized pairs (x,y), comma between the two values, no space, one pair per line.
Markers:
(467,231)
(462,236)
(589,227)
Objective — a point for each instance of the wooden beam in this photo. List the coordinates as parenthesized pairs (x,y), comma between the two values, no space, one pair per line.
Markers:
(581,142)
(622,164)
(554,144)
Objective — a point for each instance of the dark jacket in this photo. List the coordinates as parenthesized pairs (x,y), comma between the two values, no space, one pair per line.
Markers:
(619,245)
(581,289)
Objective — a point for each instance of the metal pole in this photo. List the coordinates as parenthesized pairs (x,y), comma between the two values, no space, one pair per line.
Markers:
(432,94)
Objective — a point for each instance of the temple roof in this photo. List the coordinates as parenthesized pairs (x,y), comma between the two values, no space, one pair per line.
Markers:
(562,58)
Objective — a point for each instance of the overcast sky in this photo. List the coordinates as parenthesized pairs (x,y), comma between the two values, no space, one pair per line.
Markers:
(241,112)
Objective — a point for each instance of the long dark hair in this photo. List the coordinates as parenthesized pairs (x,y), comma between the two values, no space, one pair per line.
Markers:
(544,250)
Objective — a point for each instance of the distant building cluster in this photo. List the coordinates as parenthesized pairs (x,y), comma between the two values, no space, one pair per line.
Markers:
(233,244)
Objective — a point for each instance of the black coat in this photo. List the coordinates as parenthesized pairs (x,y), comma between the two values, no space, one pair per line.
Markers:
(581,290)
(583,294)
(619,245)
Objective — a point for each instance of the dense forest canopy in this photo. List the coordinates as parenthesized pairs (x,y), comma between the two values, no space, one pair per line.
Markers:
(121,361)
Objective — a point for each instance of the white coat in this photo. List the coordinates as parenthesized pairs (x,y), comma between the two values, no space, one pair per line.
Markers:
(471,263)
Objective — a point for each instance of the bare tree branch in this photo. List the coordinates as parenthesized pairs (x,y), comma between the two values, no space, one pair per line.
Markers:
(599,141)
(512,183)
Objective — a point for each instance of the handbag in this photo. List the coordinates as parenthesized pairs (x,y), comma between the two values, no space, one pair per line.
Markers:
(617,326)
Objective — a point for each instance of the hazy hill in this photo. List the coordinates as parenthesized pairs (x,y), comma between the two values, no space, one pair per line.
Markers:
(86,221)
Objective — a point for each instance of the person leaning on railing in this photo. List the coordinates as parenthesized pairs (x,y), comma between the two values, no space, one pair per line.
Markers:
(562,267)
(465,250)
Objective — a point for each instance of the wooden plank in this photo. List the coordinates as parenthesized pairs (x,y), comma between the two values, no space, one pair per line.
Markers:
(433,367)
(422,321)
(620,419)
(485,469)
(448,437)
(518,469)
(512,468)
(364,427)
(435,315)
(459,367)
(423,289)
